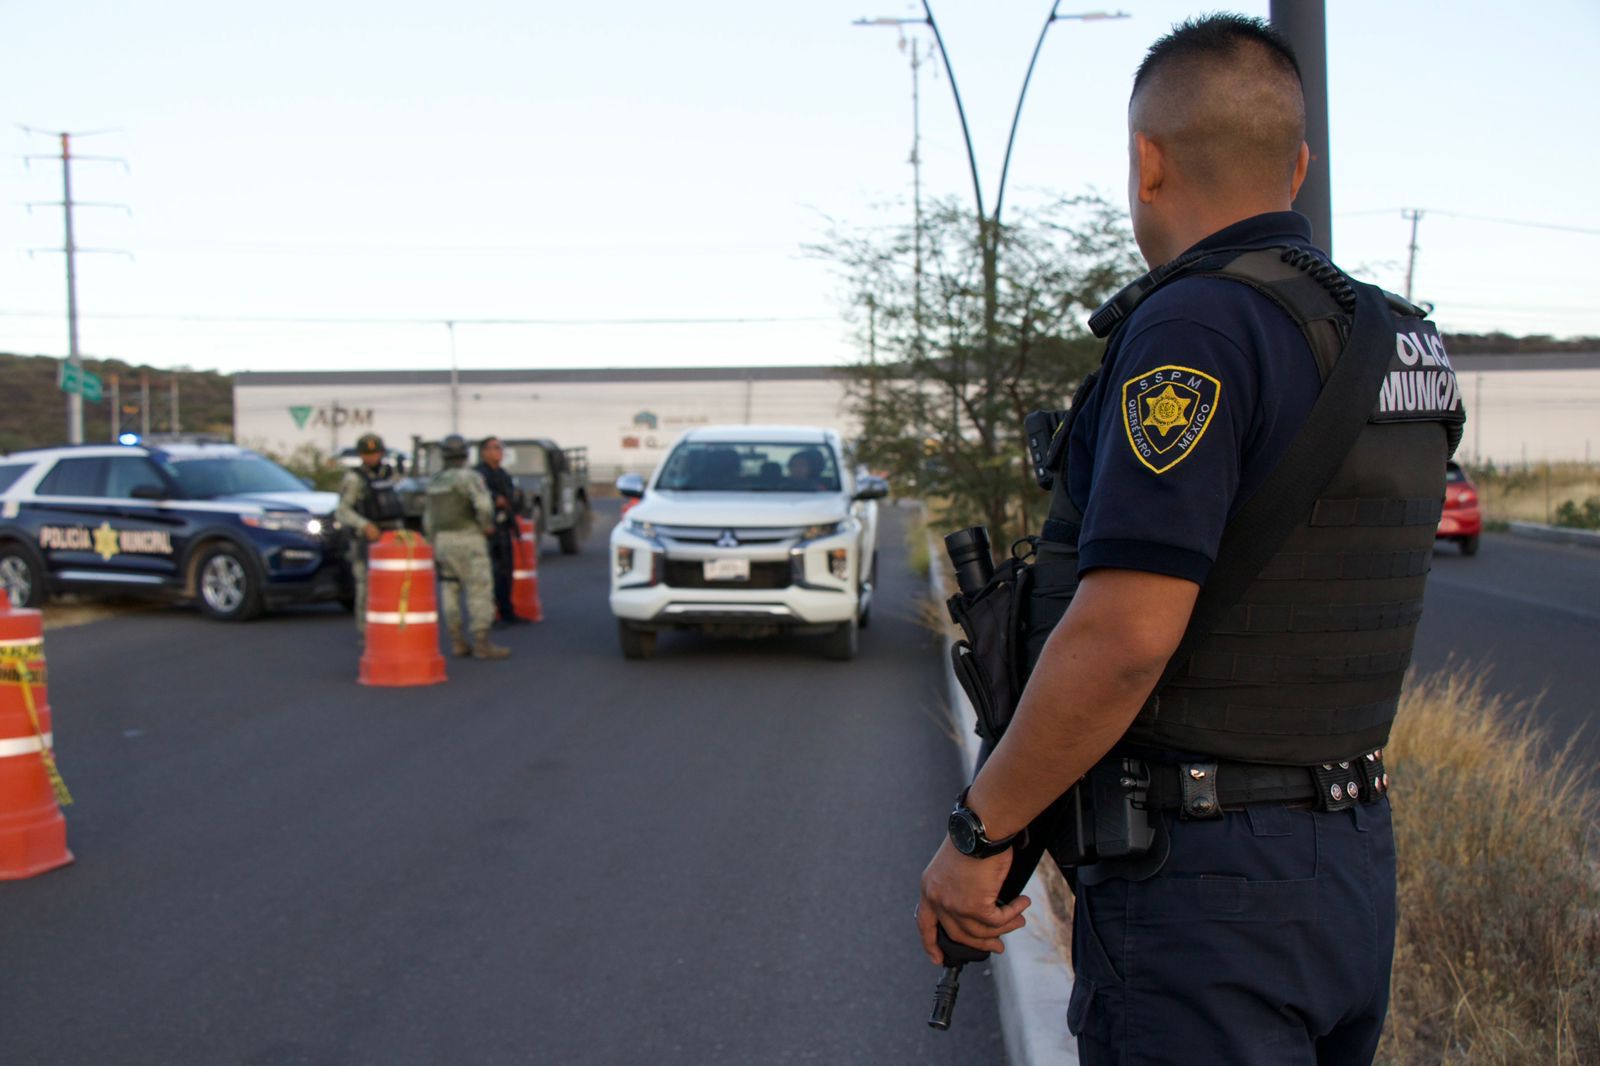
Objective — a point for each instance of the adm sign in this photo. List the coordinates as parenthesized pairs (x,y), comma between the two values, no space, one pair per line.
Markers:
(332,417)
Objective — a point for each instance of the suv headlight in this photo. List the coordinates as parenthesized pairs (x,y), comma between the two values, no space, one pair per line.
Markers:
(285,522)
(647,530)
(817,532)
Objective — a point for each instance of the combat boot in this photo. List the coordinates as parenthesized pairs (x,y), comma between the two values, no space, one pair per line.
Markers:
(458,647)
(482,649)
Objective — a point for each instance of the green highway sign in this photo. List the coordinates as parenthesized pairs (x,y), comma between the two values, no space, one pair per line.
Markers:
(76,379)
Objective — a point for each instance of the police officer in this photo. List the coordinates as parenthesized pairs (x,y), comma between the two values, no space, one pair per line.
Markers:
(459,514)
(368,505)
(502,542)
(1259,926)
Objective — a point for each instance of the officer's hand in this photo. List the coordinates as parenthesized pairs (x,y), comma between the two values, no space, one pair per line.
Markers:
(500,502)
(959,893)
(371,532)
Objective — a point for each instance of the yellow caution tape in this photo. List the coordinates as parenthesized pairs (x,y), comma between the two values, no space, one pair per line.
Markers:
(18,666)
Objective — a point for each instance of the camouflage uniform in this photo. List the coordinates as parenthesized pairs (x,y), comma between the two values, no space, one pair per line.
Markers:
(459,514)
(352,494)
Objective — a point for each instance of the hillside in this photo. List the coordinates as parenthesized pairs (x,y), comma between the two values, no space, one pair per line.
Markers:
(33,410)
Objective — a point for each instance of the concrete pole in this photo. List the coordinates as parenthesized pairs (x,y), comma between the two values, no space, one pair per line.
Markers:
(1411,256)
(173,381)
(74,360)
(1304,25)
(116,407)
(144,404)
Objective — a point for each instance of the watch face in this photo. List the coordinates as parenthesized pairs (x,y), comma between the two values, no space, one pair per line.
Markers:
(962,834)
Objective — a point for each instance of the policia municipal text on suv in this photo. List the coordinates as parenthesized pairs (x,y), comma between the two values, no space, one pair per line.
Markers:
(368,505)
(1186,679)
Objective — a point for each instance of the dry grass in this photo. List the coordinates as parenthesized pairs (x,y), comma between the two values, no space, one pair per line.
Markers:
(1498,957)
(64,612)
(1536,493)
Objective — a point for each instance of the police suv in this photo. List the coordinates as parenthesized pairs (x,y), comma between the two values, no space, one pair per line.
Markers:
(206,521)
(749,530)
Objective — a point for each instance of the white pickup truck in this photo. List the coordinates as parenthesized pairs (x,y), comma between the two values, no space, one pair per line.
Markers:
(750,530)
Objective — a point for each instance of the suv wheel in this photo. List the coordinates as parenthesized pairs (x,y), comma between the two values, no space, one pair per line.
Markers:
(843,642)
(1469,545)
(21,576)
(636,643)
(228,587)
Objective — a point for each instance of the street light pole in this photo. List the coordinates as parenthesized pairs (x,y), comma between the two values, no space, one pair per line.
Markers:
(455,381)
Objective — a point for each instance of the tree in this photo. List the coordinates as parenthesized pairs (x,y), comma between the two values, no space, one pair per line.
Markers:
(942,403)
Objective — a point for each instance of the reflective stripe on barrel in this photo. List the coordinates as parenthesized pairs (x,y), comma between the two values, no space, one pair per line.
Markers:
(26,745)
(398,618)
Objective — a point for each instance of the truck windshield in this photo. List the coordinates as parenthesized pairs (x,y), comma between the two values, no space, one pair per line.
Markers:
(727,466)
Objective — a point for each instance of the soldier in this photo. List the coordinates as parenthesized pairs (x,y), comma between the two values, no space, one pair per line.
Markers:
(460,513)
(368,505)
(502,542)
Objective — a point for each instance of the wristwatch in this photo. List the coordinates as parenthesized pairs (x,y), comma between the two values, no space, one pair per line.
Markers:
(968,835)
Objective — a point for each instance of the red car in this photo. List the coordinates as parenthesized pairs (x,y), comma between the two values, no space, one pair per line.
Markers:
(1462,521)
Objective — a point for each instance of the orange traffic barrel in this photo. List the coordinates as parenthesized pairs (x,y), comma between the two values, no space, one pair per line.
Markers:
(33,834)
(525,573)
(402,614)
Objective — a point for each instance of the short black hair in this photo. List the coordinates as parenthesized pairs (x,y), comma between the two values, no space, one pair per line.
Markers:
(1215,36)
(485,442)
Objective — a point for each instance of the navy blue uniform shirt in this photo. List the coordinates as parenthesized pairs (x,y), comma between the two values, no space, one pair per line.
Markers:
(1199,395)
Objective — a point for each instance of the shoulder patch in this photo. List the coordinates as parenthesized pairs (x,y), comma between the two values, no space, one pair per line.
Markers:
(1166,411)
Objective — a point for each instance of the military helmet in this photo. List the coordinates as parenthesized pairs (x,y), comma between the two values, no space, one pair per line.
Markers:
(369,444)
(453,447)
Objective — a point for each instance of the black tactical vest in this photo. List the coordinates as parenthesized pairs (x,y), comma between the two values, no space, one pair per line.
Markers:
(380,503)
(1306,666)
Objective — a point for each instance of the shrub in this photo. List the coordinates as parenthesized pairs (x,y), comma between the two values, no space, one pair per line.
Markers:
(1498,956)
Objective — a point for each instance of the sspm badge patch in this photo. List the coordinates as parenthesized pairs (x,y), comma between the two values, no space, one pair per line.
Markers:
(1166,411)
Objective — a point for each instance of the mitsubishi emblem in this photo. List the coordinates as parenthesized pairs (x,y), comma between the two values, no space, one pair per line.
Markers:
(727,540)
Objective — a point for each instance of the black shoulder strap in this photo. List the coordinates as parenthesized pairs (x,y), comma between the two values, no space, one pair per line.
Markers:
(1260,527)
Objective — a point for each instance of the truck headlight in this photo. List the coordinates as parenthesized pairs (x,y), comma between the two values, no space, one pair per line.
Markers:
(647,530)
(624,561)
(839,563)
(817,532)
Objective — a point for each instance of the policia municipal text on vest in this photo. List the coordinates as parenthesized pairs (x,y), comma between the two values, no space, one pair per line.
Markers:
(1319,577)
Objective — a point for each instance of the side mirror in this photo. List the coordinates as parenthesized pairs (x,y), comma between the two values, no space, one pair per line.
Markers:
(148,491)
(631,485)
(871,488)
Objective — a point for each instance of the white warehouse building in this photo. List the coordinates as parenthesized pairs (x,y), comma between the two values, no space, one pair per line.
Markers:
(626,418)
(1525,408)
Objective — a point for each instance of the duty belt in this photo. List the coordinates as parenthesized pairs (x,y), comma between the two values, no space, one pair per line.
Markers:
(1206,789)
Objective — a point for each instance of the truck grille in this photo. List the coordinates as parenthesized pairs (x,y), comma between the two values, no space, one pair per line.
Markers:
(690,574)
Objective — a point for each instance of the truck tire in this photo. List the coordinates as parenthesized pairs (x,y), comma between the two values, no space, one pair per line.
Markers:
(226,584)
(842,644)
(636,643)
(21,575)
(1469,545)
(571,540)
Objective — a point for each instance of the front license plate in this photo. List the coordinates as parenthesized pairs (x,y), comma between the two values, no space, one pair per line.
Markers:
(727,569)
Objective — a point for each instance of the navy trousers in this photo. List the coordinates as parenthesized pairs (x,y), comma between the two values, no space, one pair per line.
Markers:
(1266,937)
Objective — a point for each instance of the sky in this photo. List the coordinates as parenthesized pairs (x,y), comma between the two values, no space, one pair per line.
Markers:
(311,186)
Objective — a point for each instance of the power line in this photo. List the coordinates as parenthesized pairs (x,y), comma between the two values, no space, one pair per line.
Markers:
(333,321)
(1405,212)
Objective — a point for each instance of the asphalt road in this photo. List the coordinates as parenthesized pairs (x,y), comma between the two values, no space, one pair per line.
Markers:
(1528,613)
(709,857)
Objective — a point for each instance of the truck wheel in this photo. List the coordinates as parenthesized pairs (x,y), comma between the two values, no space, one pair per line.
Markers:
(636,643)
(22,576)
(227,584)
(1469,545)
(841,645)
(572,539)
(866,615)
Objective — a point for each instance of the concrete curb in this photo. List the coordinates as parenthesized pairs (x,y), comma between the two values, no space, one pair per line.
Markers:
(1587,538)
(1034,981)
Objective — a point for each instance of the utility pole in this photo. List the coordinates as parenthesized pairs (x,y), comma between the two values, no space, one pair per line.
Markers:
(1303,24)
(172,422)
(455,382)
(1415,215)
(144,404)
(74,366)
(116,407)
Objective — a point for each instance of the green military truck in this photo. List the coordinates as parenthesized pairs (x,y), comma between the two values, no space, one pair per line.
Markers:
(552,484)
